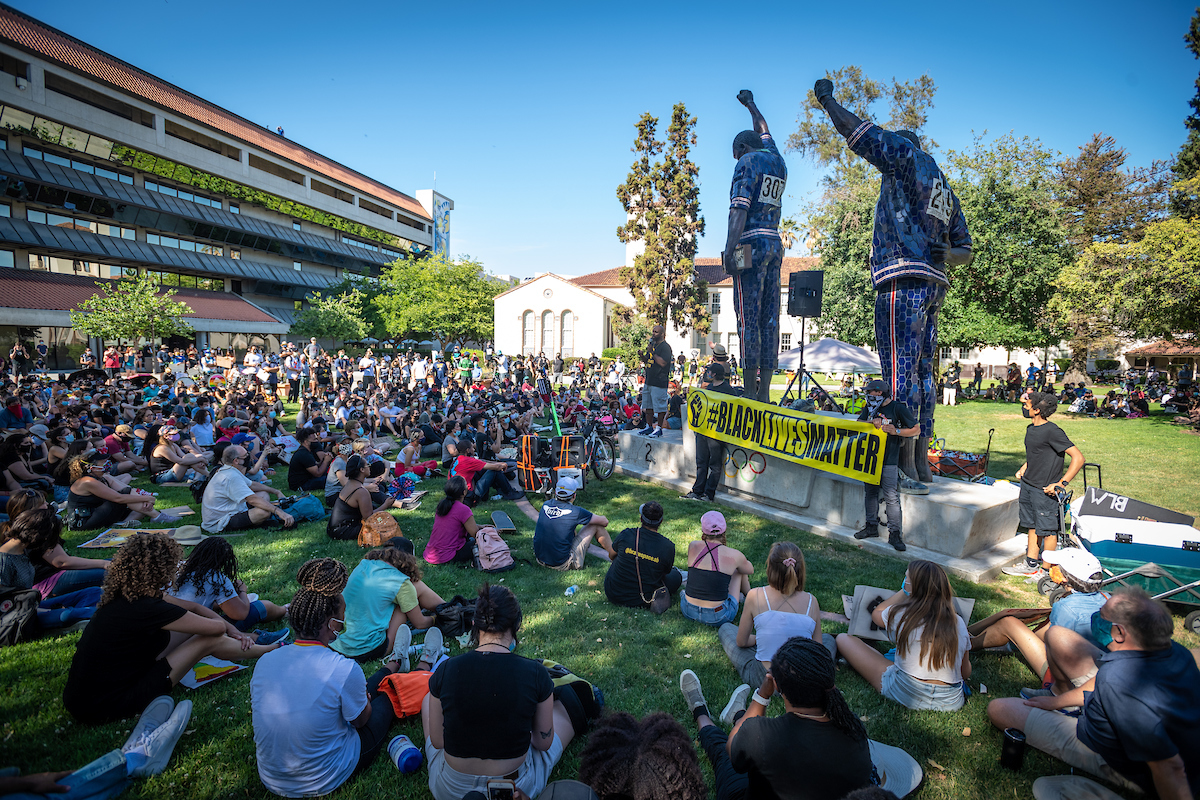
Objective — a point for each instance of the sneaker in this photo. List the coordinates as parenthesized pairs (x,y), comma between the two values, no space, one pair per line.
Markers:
(691,496)
(712,498)
(1028,693)
(129,523)
(400,648)
(737,702)
(158,744)
(895,541)
(158,712)
(689,684)
(433,648)
(1024,569)
(271,637)
(646,431)
(657,434)
(909,486)
(167,519)
(869,532)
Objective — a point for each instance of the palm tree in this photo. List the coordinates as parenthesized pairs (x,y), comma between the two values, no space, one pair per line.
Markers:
(788,230)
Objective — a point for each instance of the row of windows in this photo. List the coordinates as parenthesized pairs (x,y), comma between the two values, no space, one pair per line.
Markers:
(947,353)
(387,251)
(51,157)
(76,224)
(184,244)
(186,281)
(73,266)
(183,194)
(363,245)
(56,133)
(565,340)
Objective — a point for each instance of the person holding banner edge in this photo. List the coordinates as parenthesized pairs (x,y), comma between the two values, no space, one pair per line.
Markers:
(710,456)
(896,421)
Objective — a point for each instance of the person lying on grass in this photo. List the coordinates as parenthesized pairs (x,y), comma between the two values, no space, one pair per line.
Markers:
(932,643)
(140,642)
(210,577)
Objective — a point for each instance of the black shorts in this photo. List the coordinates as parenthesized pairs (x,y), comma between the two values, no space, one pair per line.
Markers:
(1039,511)
(239,522)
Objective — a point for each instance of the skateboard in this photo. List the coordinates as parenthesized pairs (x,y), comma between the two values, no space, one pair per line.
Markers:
(503,523)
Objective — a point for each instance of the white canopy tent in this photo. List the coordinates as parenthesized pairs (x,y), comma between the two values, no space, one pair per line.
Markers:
(830,355)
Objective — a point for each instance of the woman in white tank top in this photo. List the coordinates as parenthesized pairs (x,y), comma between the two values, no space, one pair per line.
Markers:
(771,615)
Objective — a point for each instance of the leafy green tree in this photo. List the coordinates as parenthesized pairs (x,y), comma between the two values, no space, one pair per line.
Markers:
(1185,199)
(633,334)
(848,303)
(450,300)
(368,289)
(337,316)
(131,308)
(1159,289)
(662,201)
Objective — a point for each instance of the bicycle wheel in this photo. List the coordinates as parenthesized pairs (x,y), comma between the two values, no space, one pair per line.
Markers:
(604,458)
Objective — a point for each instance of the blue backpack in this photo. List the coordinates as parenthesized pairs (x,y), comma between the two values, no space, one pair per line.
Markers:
(304,508)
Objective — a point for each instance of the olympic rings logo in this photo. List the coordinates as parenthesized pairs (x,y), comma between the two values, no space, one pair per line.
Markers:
(746,465)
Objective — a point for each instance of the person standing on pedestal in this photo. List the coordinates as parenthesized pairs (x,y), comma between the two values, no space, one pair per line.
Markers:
(755,206)
(919,229)
(658,372)
(897,422)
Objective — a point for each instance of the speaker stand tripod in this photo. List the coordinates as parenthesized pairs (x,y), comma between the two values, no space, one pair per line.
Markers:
(802,373)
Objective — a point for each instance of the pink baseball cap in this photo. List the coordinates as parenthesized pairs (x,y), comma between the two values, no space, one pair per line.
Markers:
(712,523)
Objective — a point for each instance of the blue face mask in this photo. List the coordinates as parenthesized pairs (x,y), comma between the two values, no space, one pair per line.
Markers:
(271,415)
(68,438)
(904,587)
(1101,630)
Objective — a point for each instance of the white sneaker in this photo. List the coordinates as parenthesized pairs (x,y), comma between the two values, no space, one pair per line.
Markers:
(689,684)
(400,648)
(433,648)
(737,702)
(158,744)
(158,712)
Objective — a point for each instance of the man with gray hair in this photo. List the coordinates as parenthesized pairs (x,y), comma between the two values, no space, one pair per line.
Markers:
(232,502)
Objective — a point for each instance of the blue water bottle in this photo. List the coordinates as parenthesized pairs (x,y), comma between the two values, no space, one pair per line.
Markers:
(404,754)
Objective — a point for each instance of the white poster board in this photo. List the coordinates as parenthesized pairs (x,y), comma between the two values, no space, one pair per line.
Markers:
(867,598)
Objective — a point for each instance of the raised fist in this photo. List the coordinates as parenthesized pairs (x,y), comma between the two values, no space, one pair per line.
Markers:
(745,97)
(823,89)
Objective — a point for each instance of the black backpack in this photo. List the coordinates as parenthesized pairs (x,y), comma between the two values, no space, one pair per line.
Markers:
(18,615)
(197,487)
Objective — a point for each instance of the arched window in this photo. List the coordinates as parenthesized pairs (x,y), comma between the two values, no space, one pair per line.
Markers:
(567,335)
(529,342)
(547,331)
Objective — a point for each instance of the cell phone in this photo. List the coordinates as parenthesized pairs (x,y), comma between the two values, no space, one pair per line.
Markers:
(501,789)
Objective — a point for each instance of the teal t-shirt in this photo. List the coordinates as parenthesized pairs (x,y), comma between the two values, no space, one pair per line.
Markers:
(374,588)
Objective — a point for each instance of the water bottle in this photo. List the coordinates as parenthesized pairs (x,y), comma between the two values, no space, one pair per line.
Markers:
(404,754)
(571,590)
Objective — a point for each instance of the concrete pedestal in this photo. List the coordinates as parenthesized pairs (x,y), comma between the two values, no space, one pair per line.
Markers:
(969,528)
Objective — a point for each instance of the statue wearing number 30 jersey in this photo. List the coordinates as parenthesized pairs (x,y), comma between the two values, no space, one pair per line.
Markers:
(919,228)
(755,205)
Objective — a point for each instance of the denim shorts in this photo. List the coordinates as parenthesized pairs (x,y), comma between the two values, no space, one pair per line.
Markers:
(726,612)
(256,614)
(164,476)
(909,692)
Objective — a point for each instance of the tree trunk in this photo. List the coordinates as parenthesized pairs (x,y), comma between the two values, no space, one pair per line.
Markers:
(1077,370)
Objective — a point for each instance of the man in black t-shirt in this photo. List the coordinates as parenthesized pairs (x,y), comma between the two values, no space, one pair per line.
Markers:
(1041,478)
(710,456)
(896,421)
(658,370)
(645,560)
(306,470)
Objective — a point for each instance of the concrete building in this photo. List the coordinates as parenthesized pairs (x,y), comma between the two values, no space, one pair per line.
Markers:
(108,171)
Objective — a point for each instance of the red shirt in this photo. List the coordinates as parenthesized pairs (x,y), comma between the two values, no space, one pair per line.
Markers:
(467,467)
(115,444)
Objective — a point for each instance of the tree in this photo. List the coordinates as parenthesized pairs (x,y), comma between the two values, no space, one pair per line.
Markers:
(848,304)
(1185,197)
(338,316)
(633,334)
(450,300)
(131,308)
(662,201)
(369,290)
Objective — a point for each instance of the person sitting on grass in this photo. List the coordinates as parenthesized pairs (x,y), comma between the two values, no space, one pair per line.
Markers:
(209,577)
(95,502)
(555,542)
(1081,578)
(140,642)
(54,572)
(28,533)
(385,597)
(491,713)
(232,502)
(643,564)
(317,719)
(482,476)
(306,471)
(650,759)
(454,528)
(772,614)
(817,750)
(932,643)
(168,462)
(1140,722)
(715,590)
(410,458)
(353,503)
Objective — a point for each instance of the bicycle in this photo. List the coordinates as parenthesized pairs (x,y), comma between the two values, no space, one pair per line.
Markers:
(599,432)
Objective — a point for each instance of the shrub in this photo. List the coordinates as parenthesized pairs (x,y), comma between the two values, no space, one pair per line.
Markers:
(1063,364)
(1105,364)
(611,352)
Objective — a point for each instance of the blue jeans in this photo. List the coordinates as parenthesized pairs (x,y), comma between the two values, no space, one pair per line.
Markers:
(73,580)
(726,612)
(65,609)
(105,777)
(493,479)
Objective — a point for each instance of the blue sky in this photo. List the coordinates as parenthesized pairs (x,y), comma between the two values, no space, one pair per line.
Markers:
(526,111)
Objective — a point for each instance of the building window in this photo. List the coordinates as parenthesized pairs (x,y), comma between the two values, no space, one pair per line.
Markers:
(5,210)
(7,259)
(201,140)
(75,164)
(714,301)
(76,224)
(235,253)
(567,335)
(234,208)
(182,194)
(529,337)
(361,245)
(785,342)
(547,331)
(964,352)
(374,208)
(186,281)
(945,354)
(278,170)
(112,105)
(395,254)
(295,224)
(296,266)
(184,244)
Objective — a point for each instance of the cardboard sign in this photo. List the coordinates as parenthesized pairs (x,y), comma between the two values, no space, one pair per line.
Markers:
(1099,503)
(867,599)
(844,447)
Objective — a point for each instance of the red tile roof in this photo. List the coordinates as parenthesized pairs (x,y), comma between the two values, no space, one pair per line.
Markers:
(44,41)
(708,269)
(1178,347)
(20,288)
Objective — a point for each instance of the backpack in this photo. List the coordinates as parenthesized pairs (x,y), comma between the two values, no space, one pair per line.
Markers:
(303,507)
(197,487)
(378,529)
(492,553)
(18,614)
(455,617)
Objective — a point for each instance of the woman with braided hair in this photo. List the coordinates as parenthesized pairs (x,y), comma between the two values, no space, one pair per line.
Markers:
(317,719)
(141,642)
(491,713)
(650,759)
(817,750)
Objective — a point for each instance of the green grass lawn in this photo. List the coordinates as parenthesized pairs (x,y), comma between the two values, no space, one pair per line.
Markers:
(633,656)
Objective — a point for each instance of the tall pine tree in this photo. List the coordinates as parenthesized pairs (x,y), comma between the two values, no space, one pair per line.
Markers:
(1185,199)
(662,199)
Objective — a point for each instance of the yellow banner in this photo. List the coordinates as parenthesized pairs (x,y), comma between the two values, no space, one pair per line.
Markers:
(845,447)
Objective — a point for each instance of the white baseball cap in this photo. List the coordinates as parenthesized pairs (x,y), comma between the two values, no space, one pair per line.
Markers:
(1076,562)
(567,487)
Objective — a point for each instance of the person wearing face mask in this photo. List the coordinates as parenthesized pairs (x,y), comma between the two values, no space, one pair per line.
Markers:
(14,417)
(168,462)
(233,502)
(16,453)
(58,442)
(1139,720)
(894,419)
(119,449)
(96,500)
